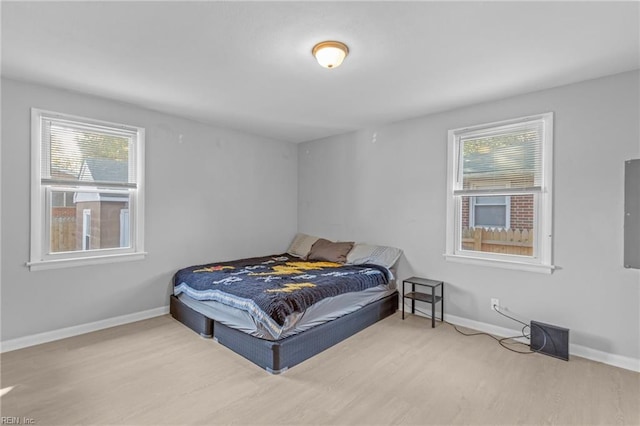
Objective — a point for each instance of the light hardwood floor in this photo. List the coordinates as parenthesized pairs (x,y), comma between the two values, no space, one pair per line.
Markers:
(158,372)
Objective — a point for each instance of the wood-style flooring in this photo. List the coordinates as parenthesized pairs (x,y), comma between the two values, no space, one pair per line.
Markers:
(158,372)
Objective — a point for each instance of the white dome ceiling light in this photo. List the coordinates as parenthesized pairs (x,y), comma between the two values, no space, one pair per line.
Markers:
(330,54)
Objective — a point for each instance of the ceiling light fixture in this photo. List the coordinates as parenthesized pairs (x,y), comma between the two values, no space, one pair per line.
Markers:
(330,54)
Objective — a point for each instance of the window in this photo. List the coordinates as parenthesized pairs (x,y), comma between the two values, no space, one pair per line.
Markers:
(490,212)
(87,199)
(499,194)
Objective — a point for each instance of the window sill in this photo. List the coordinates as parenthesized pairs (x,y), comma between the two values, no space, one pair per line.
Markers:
(94,260)
(498,263)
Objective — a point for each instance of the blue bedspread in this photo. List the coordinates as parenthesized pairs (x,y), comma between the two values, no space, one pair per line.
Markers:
(272,287)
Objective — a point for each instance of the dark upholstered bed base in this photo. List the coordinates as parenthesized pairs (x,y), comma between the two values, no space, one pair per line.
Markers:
(277,356)
(192,319)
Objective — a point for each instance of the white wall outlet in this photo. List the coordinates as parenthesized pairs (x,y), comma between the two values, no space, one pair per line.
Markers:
(495,304)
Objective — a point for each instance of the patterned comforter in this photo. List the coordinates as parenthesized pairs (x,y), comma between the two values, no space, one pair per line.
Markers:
(271,288)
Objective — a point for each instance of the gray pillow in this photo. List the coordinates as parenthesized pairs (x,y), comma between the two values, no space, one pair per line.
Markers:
(330,251)
(378,255)
(301,245)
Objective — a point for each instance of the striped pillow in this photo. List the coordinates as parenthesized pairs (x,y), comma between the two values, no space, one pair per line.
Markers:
(378,255)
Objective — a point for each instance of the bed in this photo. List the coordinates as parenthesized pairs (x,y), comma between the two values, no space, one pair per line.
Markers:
(282,309)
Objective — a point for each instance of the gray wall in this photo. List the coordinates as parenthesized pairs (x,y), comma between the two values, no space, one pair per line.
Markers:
(387,185)
(217,194)
(220,194)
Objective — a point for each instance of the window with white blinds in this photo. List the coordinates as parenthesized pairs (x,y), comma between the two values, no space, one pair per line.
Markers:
(87,191)
(509,162)
(501,160)
(72,151)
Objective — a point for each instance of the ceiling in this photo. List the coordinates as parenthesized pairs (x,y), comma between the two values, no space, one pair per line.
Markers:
(248,65)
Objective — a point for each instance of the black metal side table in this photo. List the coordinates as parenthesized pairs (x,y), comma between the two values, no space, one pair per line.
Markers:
(433,298)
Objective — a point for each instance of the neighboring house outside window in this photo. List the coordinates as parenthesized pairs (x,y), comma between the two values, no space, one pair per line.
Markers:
(499,185)
(490,212)
(105,207)
(504,212)
(87,199)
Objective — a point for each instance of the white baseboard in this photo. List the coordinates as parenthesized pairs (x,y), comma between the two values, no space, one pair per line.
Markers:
(63,333)
(627,363)
(620,361)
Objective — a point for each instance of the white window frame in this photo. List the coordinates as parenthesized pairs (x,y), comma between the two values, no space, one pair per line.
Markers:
(541,261)
(40,255)
(86,229)
(125,231)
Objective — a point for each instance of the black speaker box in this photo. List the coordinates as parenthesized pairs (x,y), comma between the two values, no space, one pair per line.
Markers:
(550,340)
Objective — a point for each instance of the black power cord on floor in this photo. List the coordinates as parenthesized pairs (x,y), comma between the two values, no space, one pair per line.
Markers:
(502,341)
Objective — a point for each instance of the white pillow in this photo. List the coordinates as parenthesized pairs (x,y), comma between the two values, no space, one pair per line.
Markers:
(301,245)
(378,255)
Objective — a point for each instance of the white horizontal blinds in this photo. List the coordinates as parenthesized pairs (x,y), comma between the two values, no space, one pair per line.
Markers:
(81,154)
(502,160)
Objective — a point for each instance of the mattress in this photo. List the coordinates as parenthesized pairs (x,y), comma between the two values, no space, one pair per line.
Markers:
(277,290)
(321,312)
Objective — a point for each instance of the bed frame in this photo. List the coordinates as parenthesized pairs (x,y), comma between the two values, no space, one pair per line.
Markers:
(279,355)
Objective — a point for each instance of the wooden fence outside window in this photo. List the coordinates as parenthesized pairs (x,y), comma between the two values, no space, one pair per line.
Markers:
(63,229)
(505,241)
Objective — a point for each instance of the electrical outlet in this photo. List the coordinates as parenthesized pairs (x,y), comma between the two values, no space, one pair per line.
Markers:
(495,304)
